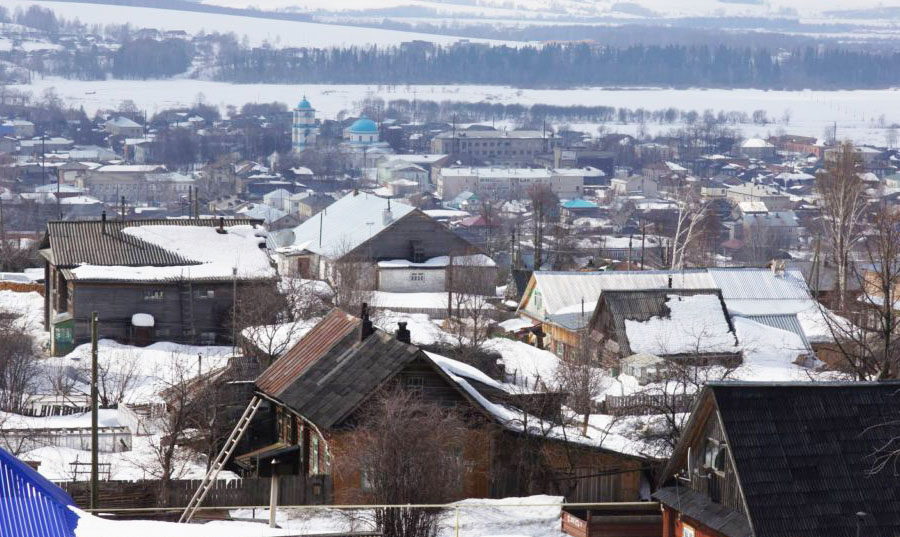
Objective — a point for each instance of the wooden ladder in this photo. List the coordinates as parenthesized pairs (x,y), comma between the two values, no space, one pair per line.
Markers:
(187,312)
(223,457)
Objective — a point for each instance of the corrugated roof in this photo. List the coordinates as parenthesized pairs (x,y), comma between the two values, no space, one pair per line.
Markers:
(787,322)
(31,505)
(563,289)
(759,284)
(319,340)
(347,223)
(96,243)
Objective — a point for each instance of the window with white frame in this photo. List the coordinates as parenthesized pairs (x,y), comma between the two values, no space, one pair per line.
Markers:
(417,276)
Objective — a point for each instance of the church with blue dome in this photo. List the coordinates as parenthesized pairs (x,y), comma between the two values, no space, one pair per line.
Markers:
(363,131)
(362,141)
(304,129)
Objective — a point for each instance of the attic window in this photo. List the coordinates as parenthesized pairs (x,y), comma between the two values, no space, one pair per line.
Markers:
(415,384)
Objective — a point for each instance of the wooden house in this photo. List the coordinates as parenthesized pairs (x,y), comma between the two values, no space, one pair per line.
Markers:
(685,325)
(565,302)
(384,239)
(149,280)
(319,390)
(785,460)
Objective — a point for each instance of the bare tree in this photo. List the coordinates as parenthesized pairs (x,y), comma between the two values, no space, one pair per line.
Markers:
(267,318)
(170,458)
(18,364)
(470,288)
(580,378)
(843,205)
(543,203)
(669,400)
(869,348)
(407,451)
(692,210)
(117,374)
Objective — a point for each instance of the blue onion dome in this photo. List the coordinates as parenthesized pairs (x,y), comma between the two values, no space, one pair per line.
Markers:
(364,125)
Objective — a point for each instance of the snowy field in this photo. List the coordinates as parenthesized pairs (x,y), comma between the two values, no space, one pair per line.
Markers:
(258,31)
(857,113)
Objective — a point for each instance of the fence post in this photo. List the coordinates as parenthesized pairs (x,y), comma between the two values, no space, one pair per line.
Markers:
(457,521)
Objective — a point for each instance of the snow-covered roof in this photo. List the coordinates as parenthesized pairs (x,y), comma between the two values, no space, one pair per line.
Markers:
(131,168)
(216,255)
(122,121)
(749,207)
(347,223)
(79,200)
(415,159)
(263,212)
(567,289)
(756,143)
(476,260)
(696,325)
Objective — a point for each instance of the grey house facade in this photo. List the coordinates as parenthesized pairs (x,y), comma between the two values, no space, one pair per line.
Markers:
(147,290)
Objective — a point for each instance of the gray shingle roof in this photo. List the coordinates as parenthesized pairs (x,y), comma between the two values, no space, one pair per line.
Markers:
(330,372)
(804,452)
(96,243)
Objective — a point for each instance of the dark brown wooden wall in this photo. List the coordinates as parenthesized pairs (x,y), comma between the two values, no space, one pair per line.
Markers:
(395,242)
(116,303)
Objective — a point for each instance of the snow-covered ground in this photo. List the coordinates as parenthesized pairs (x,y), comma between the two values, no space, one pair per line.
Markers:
(258,30)
(142,372)
(533,516)
(857,113)
(30,309)
(141,462)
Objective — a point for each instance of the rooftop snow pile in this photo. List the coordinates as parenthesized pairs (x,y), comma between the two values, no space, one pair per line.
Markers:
(347,223)
(211,254)
(477,260)
(696,324)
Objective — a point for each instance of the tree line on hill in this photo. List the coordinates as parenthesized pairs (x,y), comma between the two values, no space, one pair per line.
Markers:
(563,65)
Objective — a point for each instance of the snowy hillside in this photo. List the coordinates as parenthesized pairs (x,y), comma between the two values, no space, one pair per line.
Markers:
(258,30)
(636,9)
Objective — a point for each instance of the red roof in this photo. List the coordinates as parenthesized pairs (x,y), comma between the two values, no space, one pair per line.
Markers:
(316,343)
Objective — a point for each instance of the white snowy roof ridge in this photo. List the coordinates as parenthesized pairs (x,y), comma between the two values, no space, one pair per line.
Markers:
(348,223)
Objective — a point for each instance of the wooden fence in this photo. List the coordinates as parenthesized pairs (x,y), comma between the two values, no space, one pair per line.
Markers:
(292,490)
(641,404)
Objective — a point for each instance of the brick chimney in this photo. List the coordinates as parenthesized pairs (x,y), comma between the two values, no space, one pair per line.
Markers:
(402,333)
(366,329)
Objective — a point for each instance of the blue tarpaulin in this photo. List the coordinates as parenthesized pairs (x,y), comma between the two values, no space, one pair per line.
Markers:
(31,506)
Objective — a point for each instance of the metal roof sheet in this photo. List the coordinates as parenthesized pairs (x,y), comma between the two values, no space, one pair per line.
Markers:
(30,505)
(563,289)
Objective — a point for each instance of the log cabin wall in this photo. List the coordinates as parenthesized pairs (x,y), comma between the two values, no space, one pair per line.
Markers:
(209,303)
(720,486)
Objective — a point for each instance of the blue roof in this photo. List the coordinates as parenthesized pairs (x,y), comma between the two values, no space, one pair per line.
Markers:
(579,204)
(31,505)
(364,125)
(304,104)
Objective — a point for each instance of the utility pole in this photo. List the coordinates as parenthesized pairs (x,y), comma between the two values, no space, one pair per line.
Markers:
(58,204)
(95,478)
(273,495)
